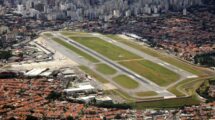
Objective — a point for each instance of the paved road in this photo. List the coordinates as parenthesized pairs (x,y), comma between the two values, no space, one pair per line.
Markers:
(145,82)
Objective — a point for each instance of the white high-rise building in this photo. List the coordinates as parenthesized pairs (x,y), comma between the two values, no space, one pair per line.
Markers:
(147,9)
(128,13)
(155,10)
(20,8)
(185,11)
(63,7)
(116,13)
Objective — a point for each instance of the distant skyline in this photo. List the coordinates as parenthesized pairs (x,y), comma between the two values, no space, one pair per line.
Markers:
(77,10)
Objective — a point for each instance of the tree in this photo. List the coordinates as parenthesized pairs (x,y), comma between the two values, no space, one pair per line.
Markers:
(20,54)
(75,95)
(54,95)
(12,118)
(207,59)
(104,118)
(70,118)
(9,107)
(118,116)
(21,91)
(5,54)
(29,117)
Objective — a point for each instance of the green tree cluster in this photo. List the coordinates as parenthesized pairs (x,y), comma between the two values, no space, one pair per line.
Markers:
(5,54)
(207,59)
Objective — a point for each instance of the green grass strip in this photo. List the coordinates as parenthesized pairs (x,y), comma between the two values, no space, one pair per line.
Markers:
(76,50)
(188,86)
(126,82)
(67,33)
(48,34)
(107,49)
(169,103)
(93,74)
(178,63)
(152,71)
(105,69)
(146,94)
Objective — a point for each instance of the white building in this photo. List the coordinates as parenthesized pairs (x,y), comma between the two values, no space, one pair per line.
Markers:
(104,99)
(86,99)
(46,74)
(35,72)
(155,9)
(134,36)
(68,72)
(128,13)
(116,13)
(147,9)
(63,7)
(81,87)
(20,8)
(184,11)
(33,13)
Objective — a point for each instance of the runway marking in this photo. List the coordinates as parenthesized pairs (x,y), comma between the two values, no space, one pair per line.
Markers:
(192,76)
(158,91)
(137,75)
(130,60)
(131,76)
(170,96)
(161,64)
(162,91)
(166,63)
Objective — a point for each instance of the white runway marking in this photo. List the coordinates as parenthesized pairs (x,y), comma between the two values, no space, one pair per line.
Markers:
(161,64)
(168,97)
(193,76)
(137,75)
(162,91)
(131,76)
(166,63)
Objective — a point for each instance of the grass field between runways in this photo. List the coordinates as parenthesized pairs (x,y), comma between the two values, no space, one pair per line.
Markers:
(107,49)
(105,69)
(152,71)
(68,33)
(76,50)
(146,94)
(48,34)
(180,64)
(126,82)
(188,86)
(93,74)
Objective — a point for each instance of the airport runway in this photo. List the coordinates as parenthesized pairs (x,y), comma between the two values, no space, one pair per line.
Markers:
(184,74)
(145,82)
(82,61)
